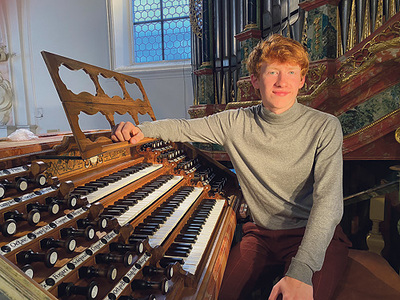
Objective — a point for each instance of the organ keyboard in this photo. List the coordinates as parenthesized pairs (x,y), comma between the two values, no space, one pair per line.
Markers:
(113,221)
(106,188)
(193,259)
(147,200)
(160,235)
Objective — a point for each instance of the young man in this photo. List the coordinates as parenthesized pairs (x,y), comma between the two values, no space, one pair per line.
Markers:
(288,160)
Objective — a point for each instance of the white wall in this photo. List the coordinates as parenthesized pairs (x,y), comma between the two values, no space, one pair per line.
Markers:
(169,90)
(78,29)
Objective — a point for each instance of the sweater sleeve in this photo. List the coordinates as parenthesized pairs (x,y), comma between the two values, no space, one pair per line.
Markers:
(327,208)
(210,129)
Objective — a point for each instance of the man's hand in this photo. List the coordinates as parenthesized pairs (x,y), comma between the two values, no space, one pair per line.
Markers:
(291,289)
(126,132)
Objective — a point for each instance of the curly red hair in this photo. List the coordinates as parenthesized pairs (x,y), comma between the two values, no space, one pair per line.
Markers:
(278,48)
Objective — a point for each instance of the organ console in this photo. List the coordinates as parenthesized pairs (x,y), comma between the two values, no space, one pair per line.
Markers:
(113,220)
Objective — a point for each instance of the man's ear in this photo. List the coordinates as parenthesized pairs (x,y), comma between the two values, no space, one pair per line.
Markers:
(303,80)
(254,81)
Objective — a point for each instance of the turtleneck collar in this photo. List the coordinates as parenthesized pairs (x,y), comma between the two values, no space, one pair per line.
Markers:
(286,117)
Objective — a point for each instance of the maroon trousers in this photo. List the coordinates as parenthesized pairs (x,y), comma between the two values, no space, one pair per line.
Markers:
(261,248)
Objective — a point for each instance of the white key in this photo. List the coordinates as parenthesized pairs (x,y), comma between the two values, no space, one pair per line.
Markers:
(112,187)
(135,210)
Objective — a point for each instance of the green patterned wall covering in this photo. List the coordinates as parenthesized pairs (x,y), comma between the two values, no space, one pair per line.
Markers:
(371,110)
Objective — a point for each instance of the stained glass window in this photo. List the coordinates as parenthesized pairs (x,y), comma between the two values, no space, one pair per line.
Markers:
(161,30)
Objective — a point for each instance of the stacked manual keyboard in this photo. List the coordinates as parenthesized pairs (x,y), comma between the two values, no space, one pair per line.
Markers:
(163,220)
(190,244)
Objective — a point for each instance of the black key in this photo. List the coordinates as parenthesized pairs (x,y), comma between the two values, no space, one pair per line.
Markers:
(126,202)
(191,231)
(173,252)
(137,236)
(182,239)
(143,231)
(157,219)
(111,212)
(183,245)
(149,224)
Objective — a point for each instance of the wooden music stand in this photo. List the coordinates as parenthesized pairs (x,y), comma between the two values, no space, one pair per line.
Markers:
(100,102)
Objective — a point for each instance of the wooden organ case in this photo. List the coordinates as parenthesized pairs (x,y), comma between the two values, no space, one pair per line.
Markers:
(88,218)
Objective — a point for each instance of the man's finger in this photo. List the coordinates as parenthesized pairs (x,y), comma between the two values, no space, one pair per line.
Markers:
(129,130)
(137,137)
(274,293)
(116,134)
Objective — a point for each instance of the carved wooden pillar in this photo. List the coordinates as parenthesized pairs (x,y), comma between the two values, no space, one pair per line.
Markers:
(321,39)
(206,100)
(248,38)
(321,28)
(205,72)
(206,104)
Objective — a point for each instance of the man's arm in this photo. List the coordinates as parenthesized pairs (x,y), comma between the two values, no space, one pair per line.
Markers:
(211,129)
(325,214)
(327,208)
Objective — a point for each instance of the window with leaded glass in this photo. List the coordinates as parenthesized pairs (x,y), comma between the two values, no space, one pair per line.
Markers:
(161,30)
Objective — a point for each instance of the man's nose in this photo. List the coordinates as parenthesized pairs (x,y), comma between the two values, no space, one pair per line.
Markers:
(281,80)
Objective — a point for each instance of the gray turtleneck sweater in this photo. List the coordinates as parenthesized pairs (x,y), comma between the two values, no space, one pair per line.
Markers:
(289,167)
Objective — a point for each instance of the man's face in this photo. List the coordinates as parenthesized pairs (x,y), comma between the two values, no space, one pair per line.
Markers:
(278,84)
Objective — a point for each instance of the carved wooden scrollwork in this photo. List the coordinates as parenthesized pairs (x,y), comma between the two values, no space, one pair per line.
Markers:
(92,104)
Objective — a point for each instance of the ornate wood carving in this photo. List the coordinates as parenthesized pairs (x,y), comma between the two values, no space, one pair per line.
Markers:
(90,104)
